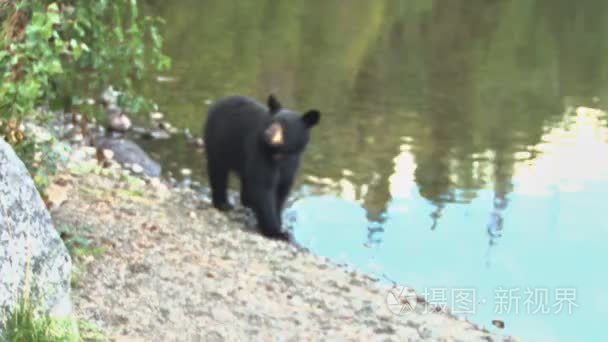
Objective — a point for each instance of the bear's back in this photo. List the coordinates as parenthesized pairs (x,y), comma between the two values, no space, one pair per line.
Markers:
(230,122)
(237,115)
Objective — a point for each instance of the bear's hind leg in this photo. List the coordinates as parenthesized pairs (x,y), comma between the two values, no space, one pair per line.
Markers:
(218,178)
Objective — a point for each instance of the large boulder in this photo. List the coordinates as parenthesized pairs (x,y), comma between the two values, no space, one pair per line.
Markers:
(33,259)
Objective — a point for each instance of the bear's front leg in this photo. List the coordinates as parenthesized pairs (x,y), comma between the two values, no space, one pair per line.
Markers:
(259,181)
(282,194)
(287,172)
(264,206)
(244,195)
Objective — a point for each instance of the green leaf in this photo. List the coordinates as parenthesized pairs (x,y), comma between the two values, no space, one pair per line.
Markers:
(55,67)
(52,13)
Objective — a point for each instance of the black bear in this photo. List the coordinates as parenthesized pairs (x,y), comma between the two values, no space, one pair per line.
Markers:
(263,146)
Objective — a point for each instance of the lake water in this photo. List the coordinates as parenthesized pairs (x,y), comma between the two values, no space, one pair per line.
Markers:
(460,151)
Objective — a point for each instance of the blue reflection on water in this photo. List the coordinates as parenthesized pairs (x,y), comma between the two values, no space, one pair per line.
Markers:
(547,238)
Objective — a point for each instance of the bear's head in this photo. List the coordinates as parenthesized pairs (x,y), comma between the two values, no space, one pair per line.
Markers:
(288,132)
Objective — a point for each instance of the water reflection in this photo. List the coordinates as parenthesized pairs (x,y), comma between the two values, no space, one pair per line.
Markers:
(444,157)
(570,156)
(547,238)
(461,80)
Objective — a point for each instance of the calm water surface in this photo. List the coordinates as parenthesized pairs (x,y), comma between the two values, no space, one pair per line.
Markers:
(456,153)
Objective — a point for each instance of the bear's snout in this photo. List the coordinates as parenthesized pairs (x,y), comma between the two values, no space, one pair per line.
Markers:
(274,134)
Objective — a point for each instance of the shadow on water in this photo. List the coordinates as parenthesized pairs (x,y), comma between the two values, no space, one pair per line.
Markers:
(451,153)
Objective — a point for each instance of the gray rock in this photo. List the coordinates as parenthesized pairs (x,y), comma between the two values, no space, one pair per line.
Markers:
(137,169)
(33,260)
(157,134)
(156,116)
(139,130)
(128,152)
(110,96)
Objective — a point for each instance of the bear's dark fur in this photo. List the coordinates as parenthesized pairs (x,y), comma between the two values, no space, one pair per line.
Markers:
(263,146)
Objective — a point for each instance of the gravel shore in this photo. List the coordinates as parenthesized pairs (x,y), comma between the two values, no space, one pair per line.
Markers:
(175,269)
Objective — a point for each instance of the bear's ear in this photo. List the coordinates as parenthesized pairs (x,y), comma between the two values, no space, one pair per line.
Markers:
(311,118)
(273,104)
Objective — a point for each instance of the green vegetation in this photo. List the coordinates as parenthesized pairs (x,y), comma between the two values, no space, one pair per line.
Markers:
(78,242)
(25,324)
(90,332)
(56,54)
(81,248)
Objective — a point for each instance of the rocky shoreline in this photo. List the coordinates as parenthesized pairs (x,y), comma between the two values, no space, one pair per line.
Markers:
(175,269)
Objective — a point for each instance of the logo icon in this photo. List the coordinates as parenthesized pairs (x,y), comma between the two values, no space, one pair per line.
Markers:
(401,300)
